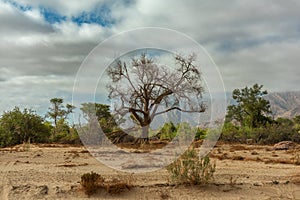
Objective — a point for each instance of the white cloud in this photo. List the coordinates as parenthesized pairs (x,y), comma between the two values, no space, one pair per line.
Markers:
(64,7)
(16,23)
(251,41)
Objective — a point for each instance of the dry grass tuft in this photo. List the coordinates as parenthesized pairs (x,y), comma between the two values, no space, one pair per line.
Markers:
(190,169)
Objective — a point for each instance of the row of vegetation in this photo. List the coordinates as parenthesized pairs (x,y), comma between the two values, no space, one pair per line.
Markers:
(249,118)
(18,126)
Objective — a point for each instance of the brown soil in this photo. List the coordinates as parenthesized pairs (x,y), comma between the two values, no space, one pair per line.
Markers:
(242,172)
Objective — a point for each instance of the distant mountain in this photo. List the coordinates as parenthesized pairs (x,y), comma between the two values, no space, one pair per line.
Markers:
(285,104)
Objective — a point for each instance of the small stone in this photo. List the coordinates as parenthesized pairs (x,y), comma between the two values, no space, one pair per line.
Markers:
(284,145)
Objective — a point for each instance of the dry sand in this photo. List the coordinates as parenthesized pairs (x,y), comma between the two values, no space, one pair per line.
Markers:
(242,172)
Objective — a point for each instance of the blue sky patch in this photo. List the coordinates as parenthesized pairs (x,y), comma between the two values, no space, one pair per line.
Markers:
(100,15)
(51,16)
(20,7)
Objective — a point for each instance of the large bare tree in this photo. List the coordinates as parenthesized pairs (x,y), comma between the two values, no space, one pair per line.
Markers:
(142,87)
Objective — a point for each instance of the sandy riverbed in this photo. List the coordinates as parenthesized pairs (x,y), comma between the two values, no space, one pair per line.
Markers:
(54,171)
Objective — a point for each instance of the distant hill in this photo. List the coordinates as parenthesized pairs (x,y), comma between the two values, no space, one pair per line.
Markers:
(285,104)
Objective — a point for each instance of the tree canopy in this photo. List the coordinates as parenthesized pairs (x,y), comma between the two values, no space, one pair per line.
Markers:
(21,126)
(101,112)
(250,108)
(58,112)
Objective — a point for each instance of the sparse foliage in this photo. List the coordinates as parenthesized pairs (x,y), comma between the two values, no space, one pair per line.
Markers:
(143,87)
(58,112)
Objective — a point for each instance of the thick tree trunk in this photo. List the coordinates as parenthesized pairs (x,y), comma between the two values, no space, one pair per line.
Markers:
(144,137)
(145,132)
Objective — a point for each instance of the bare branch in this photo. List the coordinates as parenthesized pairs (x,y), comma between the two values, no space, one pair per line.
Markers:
(202,109)
(144,86)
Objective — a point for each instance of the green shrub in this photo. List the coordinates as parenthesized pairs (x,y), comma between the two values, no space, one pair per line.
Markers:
(168,131)
(200,134)
(231,133)
(268,134)
(5,137)
(273,133)
(69,136)
(190,169)
(18,126)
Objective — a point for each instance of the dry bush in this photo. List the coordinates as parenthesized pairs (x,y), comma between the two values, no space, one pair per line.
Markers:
(93,182)
(190,169)
(116,186)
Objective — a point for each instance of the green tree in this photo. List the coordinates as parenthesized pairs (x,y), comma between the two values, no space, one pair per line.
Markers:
(251,109)
(58,112)
(5,137)
(19,126)
(101,112)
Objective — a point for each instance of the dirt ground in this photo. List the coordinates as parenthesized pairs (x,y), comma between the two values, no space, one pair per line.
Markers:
(242,172)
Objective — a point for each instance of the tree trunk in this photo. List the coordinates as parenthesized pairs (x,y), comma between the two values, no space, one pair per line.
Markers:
(145,132)
(144,137)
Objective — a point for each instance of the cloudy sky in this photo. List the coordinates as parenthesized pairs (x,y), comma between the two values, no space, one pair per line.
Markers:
(43,42)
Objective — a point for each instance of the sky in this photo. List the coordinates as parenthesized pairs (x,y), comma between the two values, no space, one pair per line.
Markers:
(44,42)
